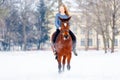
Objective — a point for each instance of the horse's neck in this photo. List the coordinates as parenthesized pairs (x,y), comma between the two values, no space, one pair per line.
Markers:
(61,38)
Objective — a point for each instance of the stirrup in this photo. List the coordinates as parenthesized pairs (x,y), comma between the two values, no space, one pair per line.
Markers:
(56,57)
(75,53)
(54,51)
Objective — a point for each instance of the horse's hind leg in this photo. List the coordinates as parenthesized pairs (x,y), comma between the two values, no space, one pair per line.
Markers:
(68,62)
(64,58)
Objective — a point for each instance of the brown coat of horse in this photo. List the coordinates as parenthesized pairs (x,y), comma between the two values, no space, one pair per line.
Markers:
(63,45)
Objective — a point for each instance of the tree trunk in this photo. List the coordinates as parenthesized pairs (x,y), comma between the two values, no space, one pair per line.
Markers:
(87,40)
(113,28)
(113,40)
(97,41)
(39,44)
(24,36)
(104,41)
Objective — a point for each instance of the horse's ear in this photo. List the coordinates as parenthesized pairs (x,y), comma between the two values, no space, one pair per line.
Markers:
(60,18)
(69,18)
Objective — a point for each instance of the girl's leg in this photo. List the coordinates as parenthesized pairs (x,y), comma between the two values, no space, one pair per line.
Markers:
(56,34)
(74,41)
(54,40)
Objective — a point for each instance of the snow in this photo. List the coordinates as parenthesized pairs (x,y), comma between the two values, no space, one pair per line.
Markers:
(41,65)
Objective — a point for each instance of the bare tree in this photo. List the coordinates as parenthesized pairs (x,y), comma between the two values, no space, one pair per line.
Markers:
(115,11)
(25,10)
(88,24)
(105,17)
(109,15)
(100,16)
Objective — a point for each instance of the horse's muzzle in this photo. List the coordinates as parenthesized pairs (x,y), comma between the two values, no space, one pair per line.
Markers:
(66,37)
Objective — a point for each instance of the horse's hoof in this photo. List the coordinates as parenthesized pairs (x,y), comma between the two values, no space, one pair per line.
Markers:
(68,67)
(56,57)
(59,71)
(76,54)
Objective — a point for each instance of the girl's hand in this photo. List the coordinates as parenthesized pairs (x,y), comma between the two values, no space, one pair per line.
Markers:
(59,28)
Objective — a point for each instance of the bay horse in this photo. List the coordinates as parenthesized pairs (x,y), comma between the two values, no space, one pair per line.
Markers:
(63,45)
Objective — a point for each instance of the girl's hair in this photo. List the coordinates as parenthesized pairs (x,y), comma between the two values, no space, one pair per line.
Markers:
(66,10)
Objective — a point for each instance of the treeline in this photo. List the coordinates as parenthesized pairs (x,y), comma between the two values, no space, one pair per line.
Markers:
(24,23)
(104,17)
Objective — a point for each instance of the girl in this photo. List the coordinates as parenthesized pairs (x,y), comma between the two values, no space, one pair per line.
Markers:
(63,13)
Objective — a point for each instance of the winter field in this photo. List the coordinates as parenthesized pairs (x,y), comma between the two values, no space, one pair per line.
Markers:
(41,65)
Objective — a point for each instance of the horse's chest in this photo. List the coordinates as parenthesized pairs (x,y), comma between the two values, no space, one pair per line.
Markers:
(64,44)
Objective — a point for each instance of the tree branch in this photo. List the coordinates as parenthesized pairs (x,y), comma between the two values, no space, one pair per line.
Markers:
(1,2)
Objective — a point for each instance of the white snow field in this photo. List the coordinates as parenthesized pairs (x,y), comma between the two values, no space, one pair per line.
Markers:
(41,65)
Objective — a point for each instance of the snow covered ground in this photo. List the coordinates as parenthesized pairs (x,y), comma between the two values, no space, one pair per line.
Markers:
(41,65)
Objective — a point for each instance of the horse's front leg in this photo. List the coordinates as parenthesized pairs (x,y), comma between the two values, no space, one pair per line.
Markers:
(59,67)
(68,62)
(59,64)
(63,62)
(68,66)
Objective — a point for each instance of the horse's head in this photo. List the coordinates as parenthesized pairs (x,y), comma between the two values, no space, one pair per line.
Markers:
(65,27)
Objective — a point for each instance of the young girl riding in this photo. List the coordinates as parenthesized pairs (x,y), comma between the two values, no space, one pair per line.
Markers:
(64,14)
